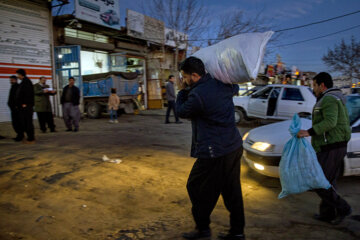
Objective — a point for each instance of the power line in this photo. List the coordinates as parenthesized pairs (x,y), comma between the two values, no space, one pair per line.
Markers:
(318,22)
(311,39)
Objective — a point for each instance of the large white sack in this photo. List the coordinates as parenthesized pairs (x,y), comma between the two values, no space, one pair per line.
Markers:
(236,59)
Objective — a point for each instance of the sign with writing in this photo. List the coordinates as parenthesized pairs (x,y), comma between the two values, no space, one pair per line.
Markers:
(144,27)
(102,12)
(172,37)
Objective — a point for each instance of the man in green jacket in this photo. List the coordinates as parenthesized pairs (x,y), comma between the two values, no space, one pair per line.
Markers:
(43,106)
(330,134)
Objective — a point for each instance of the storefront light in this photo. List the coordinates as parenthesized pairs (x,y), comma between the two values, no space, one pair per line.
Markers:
(259,166)
(60,56)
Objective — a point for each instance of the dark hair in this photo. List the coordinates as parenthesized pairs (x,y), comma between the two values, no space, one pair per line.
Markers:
(13,77)
(325,78)
(21,72)
(72,78)
(193,65)
(113,90)
(171,76)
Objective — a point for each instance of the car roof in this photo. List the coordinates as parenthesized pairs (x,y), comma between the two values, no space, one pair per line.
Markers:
(286,85)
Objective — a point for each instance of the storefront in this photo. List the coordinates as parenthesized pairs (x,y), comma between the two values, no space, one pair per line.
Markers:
(26,33)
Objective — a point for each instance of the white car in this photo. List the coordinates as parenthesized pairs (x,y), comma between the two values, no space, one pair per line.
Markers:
(276,101)
(263,146)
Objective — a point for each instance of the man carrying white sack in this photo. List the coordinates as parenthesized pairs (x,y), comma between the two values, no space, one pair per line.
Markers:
(217,145)
(330,134)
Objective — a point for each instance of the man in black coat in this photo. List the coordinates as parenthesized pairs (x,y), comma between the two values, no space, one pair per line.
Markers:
(15,119)
(25,104)
(217,145)
(70,100)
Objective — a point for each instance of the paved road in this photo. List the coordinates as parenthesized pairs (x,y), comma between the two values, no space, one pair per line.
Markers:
(60,188)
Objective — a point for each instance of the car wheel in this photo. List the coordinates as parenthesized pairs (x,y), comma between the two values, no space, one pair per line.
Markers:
(93,110)
(239,116)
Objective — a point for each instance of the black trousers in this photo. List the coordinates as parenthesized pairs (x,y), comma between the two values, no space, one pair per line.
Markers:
(208,179)
(332,164)
(46,118)
(171,106)
(26,119)
(16,122)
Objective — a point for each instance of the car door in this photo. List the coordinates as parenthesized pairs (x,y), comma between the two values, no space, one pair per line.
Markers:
(258,102)
(292,101)
(352,160)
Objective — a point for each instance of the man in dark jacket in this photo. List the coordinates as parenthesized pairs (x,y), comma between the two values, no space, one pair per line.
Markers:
(43,105)
(15,119)
(217,145)
(70,100)
(330,134)
(171,97)
(25,103)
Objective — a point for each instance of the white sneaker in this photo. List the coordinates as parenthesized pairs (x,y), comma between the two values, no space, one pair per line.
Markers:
(116,121)
(111,121)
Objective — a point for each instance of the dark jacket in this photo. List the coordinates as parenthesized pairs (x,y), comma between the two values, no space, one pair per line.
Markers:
(75,96)
(12,96)
(330,121)
(25,94)
(170,91)
(209,105)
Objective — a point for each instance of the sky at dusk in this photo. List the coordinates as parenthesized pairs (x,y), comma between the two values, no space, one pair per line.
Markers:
(283,14)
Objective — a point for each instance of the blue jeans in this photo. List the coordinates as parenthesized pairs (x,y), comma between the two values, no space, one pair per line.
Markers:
(113,114)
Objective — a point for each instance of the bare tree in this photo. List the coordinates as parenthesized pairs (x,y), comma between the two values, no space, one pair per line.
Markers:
(344,58)
(185,16)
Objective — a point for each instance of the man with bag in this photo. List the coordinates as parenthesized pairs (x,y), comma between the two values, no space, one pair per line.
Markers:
(330,134)
(217,145)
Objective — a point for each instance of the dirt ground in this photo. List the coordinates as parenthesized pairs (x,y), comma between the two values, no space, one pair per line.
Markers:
(60,188)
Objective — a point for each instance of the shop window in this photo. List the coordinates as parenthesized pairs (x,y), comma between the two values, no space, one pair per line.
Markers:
(69,32)
(94,62)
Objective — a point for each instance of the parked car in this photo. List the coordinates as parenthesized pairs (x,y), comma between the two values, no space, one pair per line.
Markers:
(276,101)
(110,17)
(263,146)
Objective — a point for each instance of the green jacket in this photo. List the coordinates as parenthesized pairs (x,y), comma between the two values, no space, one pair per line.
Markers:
(330,121)
(42,100)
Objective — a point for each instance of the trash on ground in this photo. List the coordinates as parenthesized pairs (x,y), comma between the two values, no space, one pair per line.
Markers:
(106,159)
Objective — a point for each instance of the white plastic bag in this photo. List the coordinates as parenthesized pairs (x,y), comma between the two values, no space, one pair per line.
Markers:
(236,59)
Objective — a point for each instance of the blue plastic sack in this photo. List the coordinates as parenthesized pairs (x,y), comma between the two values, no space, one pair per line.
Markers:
(300,170)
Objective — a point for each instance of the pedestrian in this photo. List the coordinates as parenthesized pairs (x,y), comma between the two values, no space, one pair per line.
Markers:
(25,103)
(113,103)
(15,118)
(171,97)
(217,145)
(70,100)
(43,106)
(330,134)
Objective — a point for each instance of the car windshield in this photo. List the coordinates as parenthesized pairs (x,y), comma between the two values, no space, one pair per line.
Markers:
(353,106)
(249,92)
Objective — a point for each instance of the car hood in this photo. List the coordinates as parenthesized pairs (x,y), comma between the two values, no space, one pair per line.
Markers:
(276,134)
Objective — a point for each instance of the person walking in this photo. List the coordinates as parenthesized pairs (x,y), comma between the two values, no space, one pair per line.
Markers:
(25,103)
(15,119)
(171,97)
(43,106)
(330,134)
(70,100)
(113,104)
(217,145)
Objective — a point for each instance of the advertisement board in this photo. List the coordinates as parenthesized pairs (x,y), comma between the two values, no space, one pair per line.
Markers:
(102,12)
(144,27)
(171,36)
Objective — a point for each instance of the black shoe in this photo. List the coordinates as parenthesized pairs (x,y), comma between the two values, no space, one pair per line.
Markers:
(319,217)
(231,236)
(52,130)
(179,122)
(18,139)
(197,234)
(76,130)
(340,217)
(167,122)
(43,131)
(2,137)
(69,130)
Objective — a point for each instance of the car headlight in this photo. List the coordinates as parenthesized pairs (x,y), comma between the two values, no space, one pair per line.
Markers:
(245,136)
(262,146)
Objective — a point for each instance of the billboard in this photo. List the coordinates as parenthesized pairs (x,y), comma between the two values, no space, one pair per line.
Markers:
(102,12)
(171,35)
(144,27)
